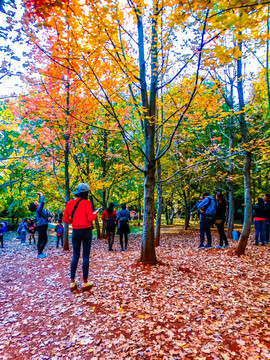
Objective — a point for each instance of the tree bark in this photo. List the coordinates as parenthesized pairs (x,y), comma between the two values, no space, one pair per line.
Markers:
(187,210)
(148,254)
(159,205)
(242,243)
(230,173)
(67,188)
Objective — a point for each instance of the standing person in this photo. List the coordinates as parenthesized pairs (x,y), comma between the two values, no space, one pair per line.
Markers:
(42,224)
(23,230)
(31,228)
(208,210)
(78,212)
(109,218)
(266,201)
(3,228)
(259,221)
(220,220)
(122,218)
(59,233)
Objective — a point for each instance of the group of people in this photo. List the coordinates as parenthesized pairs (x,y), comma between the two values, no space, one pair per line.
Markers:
(78,212)
(111,220)
(213,211)
(27,226)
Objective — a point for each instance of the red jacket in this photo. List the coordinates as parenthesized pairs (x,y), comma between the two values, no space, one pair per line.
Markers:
(83,215)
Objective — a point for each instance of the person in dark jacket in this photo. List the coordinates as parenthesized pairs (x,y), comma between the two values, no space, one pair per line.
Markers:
(122,218)
(42,224)
(220,221)
(59,229)
(259,215)
(267,211)
(207,208)
(3,228)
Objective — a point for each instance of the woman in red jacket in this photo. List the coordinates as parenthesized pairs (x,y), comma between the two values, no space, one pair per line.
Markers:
(109,218)
(78,212)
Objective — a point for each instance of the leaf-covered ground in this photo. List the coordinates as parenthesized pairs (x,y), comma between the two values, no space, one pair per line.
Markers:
(196,304)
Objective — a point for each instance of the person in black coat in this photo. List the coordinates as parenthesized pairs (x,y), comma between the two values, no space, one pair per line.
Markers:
(220,221)
(259,215)
(267,211)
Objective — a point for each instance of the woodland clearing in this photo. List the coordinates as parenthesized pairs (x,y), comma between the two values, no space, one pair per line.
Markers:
(195,304)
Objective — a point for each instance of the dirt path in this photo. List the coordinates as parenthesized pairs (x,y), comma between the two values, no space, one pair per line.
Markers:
(204,304)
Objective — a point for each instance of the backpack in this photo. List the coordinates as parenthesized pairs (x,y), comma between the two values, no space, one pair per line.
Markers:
(60,230)
(123,218)
(110,222)
(212,209)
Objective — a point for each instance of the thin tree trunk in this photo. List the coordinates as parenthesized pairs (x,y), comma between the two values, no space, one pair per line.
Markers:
(67,188)
(148,255)
(159,205)
(187,210)
(230,172)
(242,243)
(267,62)
(104,174)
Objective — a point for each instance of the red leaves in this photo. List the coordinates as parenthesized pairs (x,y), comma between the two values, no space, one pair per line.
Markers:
(43,7)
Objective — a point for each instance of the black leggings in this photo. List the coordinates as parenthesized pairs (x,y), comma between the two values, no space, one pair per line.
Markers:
(222,235)
(42,238)
(121,240)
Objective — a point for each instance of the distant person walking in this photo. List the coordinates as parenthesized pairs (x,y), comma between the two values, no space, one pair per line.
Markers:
(266,201)
(3,228)
(23,231)
(259,215)
(220,221)
(122,218)
(109,218)
(31,228)
(59,229)
(42,224)
(78,212)
(207,208)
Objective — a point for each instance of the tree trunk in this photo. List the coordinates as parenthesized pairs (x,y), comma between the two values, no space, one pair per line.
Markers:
(242,243)
(267,62)
(67,188)
(159,205)
(167,214)
(148,254)
(230,183)
(230,211)
(104,174)
(187,210)
(139,211)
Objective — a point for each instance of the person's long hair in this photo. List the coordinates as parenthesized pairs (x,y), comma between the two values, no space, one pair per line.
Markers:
(110,208)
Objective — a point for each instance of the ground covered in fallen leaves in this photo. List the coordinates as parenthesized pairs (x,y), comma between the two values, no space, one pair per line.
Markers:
(196,304)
